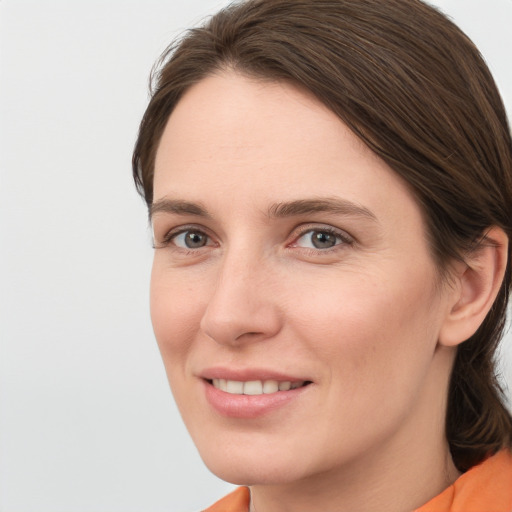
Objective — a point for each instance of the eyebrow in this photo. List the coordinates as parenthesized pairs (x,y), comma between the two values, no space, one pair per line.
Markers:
(328,205)
(178,207)
(336,206)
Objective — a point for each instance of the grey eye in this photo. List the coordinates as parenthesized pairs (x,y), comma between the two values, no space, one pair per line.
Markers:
(191,240)
(318,239)
(323,240)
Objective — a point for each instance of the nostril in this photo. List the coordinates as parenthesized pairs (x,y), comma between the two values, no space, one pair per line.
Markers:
(251,334)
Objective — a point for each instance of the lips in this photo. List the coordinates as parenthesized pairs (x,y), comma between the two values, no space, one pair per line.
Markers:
(246,394)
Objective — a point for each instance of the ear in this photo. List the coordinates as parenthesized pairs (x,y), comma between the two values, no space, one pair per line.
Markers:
(477,283)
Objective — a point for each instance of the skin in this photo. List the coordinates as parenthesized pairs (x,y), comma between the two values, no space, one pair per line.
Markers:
(362,319)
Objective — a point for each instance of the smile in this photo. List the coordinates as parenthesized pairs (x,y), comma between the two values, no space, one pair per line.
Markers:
(252,398)
(255,387)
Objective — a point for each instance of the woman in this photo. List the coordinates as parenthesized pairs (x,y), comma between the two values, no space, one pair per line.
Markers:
(330,189)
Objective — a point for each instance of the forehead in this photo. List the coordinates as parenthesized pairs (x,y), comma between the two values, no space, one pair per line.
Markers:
(237,139)
(230,112)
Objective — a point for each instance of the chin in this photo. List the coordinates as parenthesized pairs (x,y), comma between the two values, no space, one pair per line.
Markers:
(251,466)
(252,474)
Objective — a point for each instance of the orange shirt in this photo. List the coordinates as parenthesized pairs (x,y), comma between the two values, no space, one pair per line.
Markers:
(237,501)
(484,488)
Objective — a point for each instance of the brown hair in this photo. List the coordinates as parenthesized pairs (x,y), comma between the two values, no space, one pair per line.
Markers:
(415,89)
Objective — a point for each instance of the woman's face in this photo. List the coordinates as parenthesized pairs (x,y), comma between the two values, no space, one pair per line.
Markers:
(289,256)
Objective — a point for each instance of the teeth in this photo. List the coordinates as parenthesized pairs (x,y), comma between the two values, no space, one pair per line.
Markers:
(270,386)
(255,387)
(234,387)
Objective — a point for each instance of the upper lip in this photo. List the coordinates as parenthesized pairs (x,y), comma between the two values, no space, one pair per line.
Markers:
(248,374)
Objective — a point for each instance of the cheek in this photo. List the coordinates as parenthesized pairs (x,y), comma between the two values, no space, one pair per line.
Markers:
(369,329)
(176,311)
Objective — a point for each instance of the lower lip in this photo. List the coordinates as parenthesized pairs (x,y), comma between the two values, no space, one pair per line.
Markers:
(249,406)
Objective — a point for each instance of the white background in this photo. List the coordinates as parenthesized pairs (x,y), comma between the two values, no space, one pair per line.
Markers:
(87,423)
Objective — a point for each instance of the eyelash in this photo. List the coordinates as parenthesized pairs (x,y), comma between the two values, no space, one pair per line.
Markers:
(301,231)
(168,238)
(345,238)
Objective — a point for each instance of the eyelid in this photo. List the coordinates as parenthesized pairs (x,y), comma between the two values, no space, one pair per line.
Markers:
(178,230)
(303,229)
(297,233)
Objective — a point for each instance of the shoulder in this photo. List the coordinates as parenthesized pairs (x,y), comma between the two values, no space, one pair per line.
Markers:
(484,488)
(236,501)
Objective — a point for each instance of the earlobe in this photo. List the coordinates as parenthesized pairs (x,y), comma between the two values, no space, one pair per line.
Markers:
(478,281)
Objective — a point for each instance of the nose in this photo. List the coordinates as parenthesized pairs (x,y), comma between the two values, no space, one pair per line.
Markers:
(243,308)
